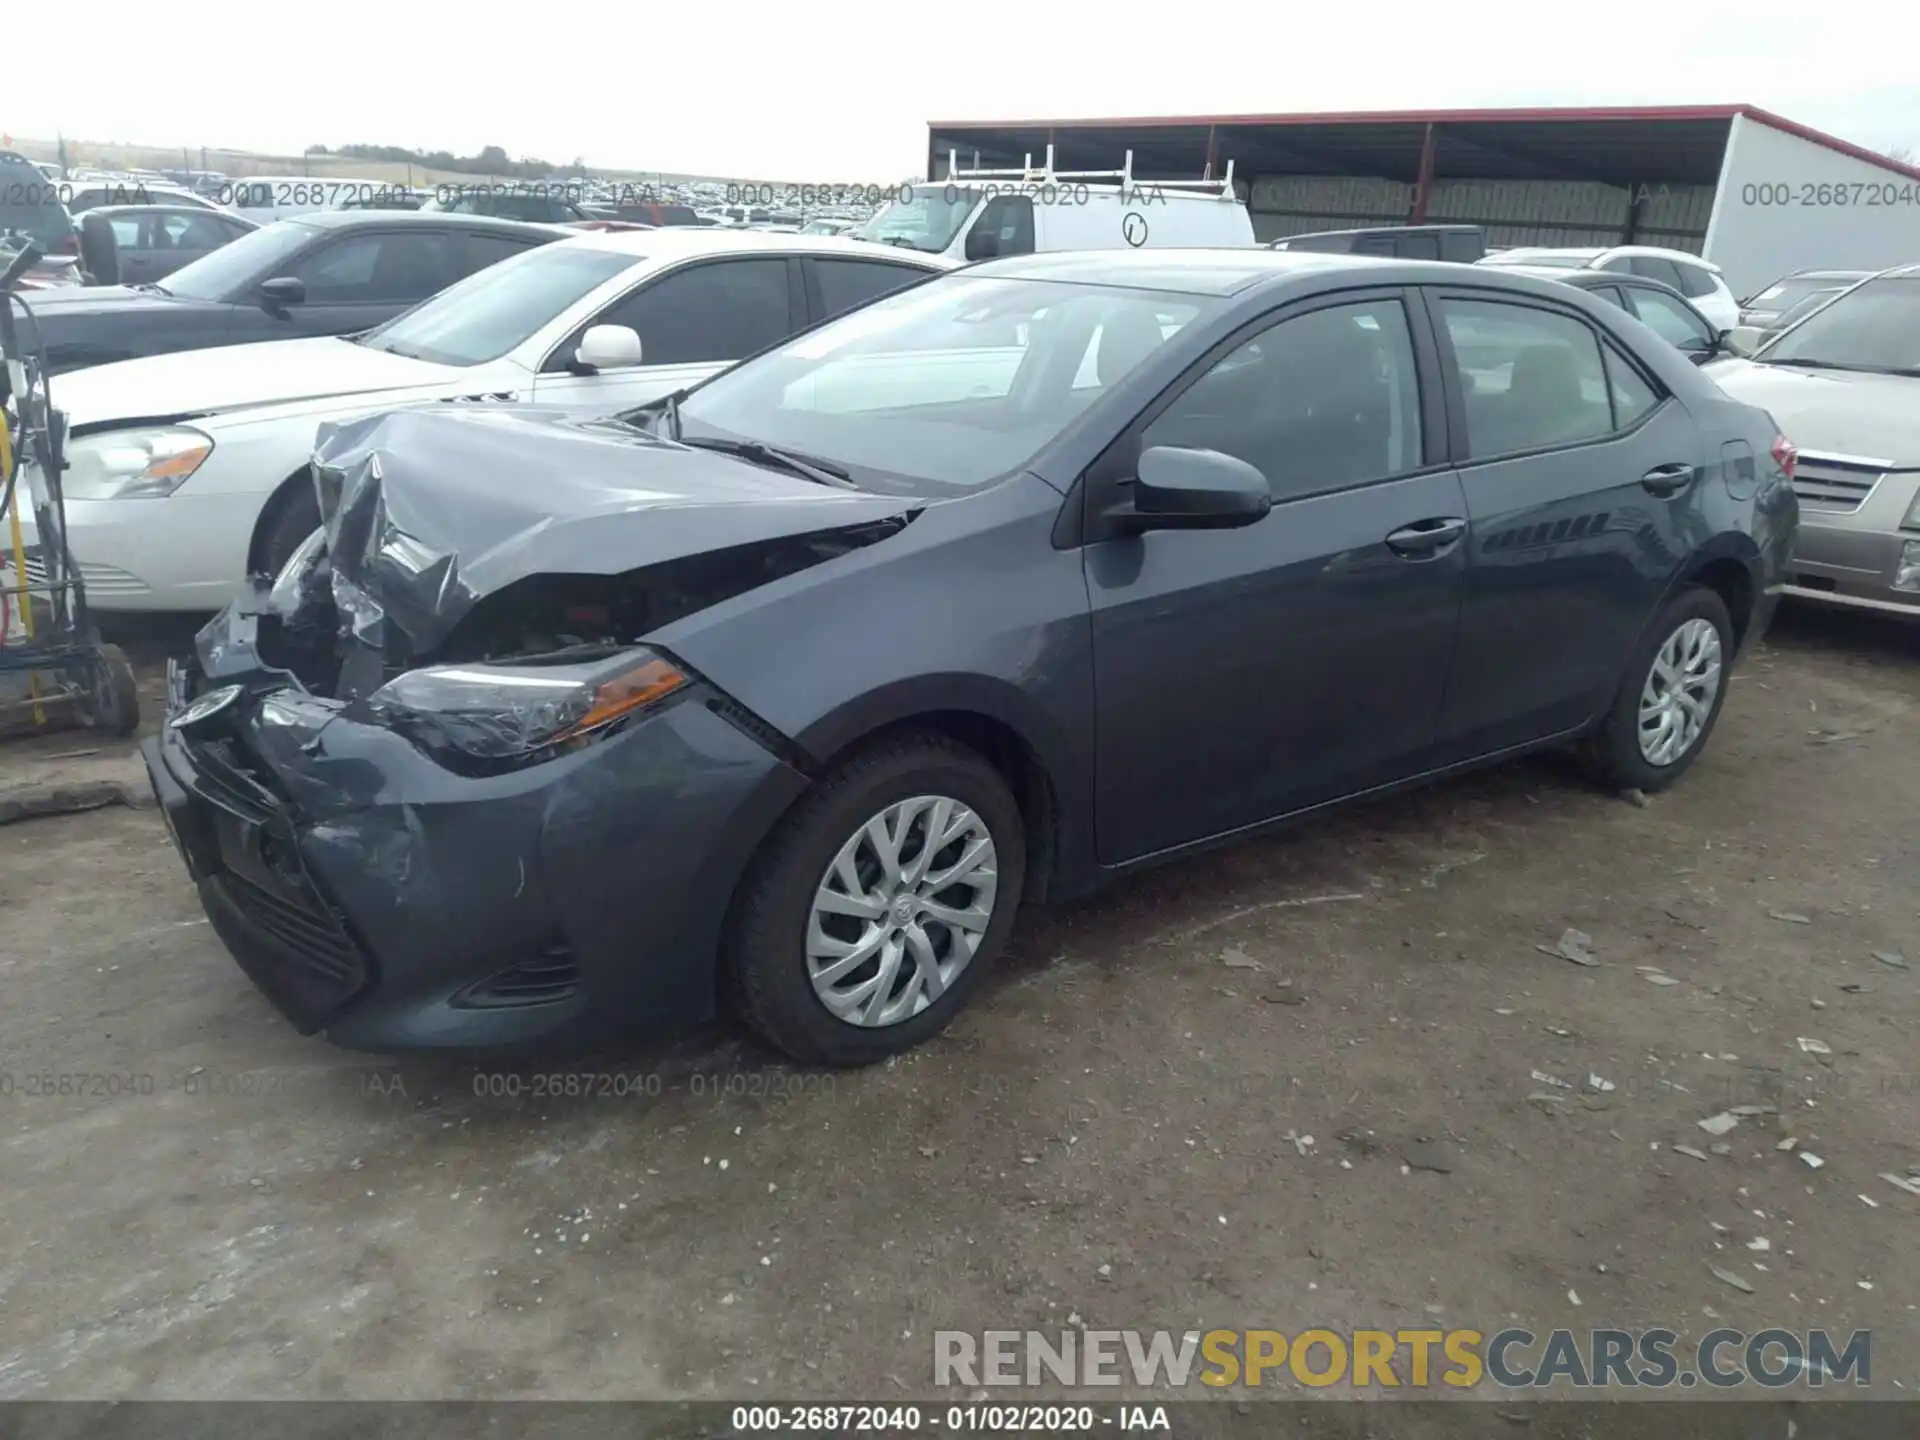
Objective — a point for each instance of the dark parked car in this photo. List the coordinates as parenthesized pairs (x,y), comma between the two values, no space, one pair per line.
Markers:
(1463,244)
(31,210)
(1663,309)
(333,272)
(138,244)
(790,688)
(1767,311)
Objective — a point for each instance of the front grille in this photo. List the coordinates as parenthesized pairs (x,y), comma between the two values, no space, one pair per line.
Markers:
(311,932)
(1835,484)
(550,976)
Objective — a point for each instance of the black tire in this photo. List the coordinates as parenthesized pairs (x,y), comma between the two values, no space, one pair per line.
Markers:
(764,954)
(292,515)
(112,701)
(1611,754)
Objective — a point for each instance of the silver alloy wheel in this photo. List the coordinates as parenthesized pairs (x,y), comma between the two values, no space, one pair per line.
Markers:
(1678,697)
(901,910)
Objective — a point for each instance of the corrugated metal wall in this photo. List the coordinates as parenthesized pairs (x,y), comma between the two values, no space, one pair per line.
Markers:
(1514,212)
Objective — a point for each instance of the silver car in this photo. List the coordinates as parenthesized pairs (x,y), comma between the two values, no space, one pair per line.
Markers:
(1844,385)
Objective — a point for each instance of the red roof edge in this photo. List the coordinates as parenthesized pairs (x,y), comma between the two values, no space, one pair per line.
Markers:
(1521,116)
(1831,142)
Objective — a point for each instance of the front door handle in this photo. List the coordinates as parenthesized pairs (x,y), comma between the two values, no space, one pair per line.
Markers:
(1667,479)
(1424,538)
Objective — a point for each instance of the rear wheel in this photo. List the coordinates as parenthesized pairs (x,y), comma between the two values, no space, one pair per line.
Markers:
(875,909)
(1670,698)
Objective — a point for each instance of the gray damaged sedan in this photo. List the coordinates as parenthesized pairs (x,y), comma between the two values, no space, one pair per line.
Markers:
(783,694)
(1845,382)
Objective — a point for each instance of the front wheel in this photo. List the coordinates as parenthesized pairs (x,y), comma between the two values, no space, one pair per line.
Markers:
(876,908)
(1670,698)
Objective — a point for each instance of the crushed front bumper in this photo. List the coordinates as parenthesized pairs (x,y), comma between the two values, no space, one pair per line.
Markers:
(394,905)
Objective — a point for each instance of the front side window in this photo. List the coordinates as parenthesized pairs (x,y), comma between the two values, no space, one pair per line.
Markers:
(1006,223)
(1319,402)
(391,267)
(1530,379)
(947,386)
(707,313)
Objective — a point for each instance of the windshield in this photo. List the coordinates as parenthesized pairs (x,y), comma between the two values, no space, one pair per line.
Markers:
(926,218)
(257,255)
(949,385)
(1783,295)
(1875,326)
(494,310)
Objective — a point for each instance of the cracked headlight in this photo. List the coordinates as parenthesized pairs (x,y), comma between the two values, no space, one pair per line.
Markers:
(504,715)
(147,464)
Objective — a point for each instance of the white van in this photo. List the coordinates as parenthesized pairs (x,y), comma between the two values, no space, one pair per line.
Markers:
(980,214)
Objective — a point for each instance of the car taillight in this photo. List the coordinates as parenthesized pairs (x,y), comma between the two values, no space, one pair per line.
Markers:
(68,244)
(1785,454)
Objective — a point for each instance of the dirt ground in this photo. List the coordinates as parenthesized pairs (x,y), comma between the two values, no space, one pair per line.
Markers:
(1116,1135)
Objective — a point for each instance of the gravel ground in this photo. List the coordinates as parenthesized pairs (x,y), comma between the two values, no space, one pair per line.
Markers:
(1117,1134)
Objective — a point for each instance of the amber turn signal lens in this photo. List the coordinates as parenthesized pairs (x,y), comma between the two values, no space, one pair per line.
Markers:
(651,680)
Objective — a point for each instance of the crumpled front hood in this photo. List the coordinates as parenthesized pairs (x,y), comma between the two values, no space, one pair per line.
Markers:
(1841,412)
(204,382)
(428,511)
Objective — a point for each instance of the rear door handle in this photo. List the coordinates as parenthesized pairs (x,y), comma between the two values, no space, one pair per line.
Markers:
(1426,537)
(1667,479)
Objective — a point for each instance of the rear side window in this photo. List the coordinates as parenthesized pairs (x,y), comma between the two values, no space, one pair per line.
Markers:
(847,284)
(1632,396)
(1530,379)
(1671,320)
(1695,280)
(485,250)
(1419,247)
(709,313)
(1654,267)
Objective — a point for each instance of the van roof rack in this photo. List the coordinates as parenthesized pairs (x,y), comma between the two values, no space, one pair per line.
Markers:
(1046,174)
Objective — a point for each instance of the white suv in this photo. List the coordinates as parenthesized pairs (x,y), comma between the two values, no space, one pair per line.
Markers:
(1699,280)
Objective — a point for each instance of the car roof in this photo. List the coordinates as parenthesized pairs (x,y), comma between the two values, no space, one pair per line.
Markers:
(160,207)
(356,219)
(1215,271)
(1593,279)
(672,242)
(1827,275)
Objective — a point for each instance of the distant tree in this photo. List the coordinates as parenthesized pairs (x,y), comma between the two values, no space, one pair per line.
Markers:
(318,150)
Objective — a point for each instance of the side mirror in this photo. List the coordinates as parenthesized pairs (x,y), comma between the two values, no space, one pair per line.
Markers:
(1182,489)
(982,243)
(283,290)
(1742,339)
(606,347)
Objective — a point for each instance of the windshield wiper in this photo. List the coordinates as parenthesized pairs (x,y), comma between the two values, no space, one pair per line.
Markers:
(1801,364)
(821,472)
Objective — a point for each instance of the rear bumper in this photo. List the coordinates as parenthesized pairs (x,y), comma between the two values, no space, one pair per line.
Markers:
(394,906)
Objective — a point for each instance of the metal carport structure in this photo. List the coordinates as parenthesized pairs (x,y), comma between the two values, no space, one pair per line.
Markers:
(1661,175)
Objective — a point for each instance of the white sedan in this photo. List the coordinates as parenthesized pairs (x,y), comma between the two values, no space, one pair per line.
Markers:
(188,472)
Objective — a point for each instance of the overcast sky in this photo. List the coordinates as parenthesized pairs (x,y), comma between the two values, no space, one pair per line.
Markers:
(841,90)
